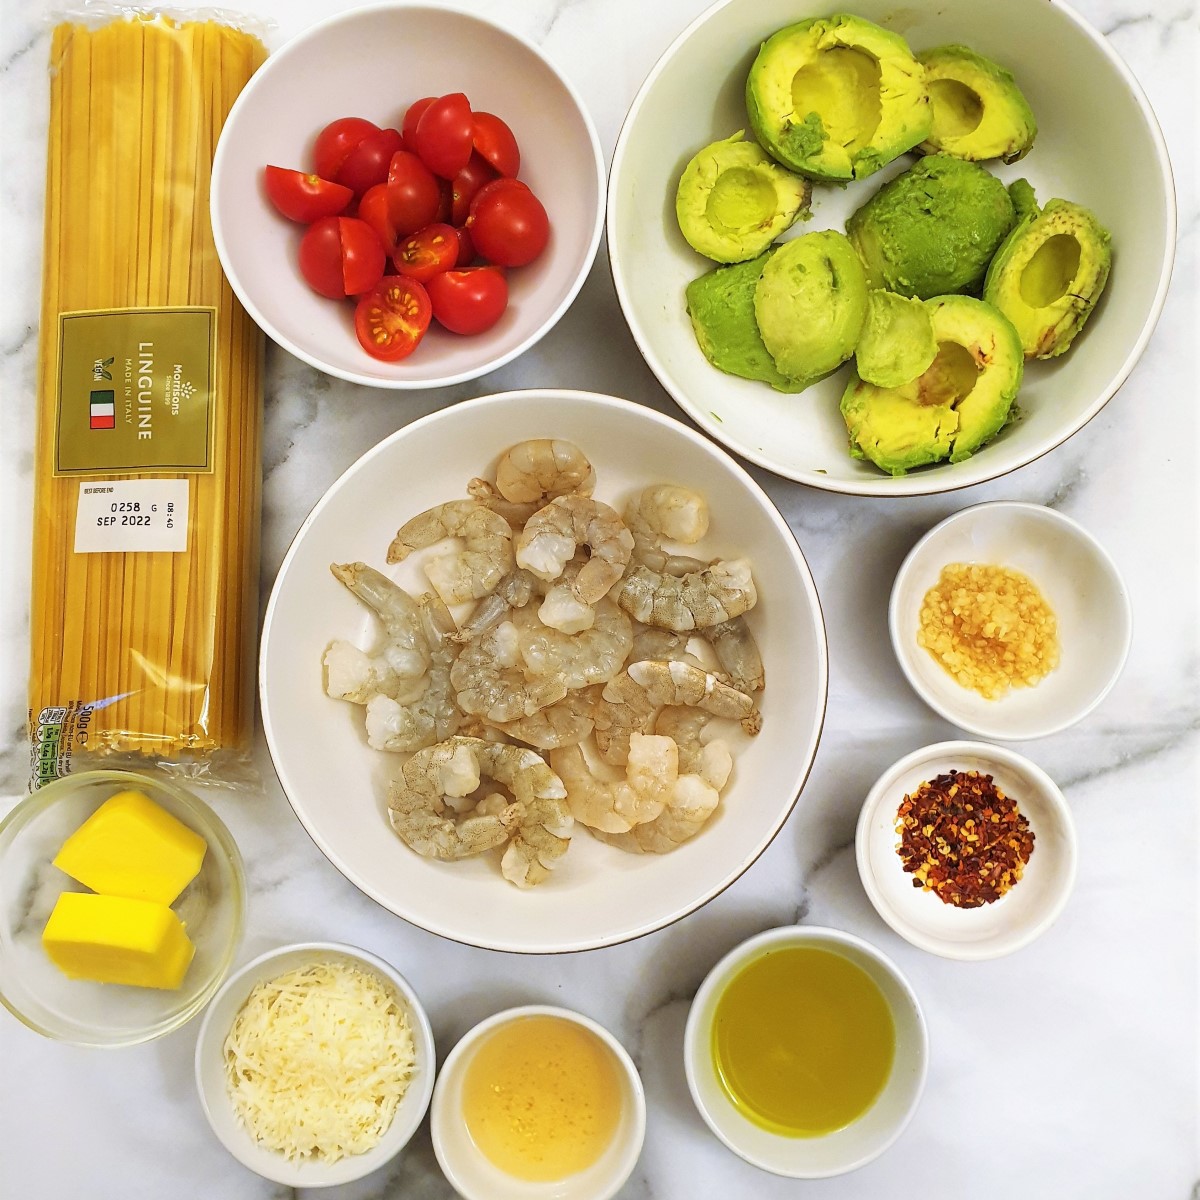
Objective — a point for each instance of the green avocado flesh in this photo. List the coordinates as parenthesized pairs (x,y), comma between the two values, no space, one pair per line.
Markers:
(934,229)
(897,342)
(837,97)
(978,110)
(721,306)
(734,200)
(1048,275)
(810,303)
(961,401)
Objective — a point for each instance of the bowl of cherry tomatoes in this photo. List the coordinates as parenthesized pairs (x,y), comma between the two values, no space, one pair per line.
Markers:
(407,196)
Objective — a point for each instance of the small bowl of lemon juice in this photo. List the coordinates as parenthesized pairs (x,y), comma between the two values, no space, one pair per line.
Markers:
(806,1051)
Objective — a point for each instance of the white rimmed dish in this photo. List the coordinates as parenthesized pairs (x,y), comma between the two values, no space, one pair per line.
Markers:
(373,62)
(597,895)
(1079,581)
(1030,906)
(1079,89)
(476,1178)
(211,1081)
(855,1144)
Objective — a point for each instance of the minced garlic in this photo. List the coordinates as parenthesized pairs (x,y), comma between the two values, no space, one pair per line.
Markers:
(989,627)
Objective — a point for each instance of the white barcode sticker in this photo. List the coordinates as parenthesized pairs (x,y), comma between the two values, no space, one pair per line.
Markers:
(122,516)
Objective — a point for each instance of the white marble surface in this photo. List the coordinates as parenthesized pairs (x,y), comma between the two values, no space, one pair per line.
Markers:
(1067,1070)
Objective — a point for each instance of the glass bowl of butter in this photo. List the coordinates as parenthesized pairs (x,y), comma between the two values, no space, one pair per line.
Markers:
(122,901)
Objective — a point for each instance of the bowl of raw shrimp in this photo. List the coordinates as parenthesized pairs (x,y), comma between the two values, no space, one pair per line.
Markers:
(543,671)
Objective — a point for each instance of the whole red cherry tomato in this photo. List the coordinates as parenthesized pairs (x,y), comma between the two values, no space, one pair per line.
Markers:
(465,185)
(508,224)
(304,197)
(444,135)
(392,318)
(497,143)
(468,301)
(341,256)
(375,208)
(408,127)
(415,192)
(367,164)
(335,142)
(426,253)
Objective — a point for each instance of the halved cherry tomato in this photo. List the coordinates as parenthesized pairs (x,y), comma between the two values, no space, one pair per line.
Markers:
(415,192)
(444,135)
(341,256)
(497,143)
(508,224)
(304,197)
(375,208)
(466,247)
(468,301)
(466,184)
(335,142)
(368,163)
(408,127)
(428,252)
(392,318)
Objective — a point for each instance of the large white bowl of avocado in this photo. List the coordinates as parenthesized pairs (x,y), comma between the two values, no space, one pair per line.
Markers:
(988,322)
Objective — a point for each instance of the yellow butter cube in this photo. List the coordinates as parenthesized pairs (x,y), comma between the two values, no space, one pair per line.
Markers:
(132,847)
(112,939)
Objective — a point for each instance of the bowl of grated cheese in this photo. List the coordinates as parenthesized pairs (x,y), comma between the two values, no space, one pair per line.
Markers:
(315,1064)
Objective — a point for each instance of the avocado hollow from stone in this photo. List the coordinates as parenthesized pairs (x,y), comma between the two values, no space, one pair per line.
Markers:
(810,303)
(933,230)
(837,97)
(959,403)
(734,200)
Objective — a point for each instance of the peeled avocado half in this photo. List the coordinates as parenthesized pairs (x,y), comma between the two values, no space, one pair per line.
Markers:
(897,342)
(978,110)
(734,200)
(1048,275)
(837,97)
(961,400)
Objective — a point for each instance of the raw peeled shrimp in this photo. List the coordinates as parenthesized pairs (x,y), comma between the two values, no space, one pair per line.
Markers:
(665,510)
(542,837)
(594,655)
(489,680)
(738,653)
(617,805)
(553,534)
(467,574)
(691,802)
(631,700)
(515,514)
(402,658)
(693,601)
(541,469)
(515,590)
(566,723)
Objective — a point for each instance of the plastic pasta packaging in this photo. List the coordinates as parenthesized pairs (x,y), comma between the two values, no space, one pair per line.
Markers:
(148,477)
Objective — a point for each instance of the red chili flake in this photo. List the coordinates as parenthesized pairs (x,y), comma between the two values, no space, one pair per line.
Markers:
(963,839)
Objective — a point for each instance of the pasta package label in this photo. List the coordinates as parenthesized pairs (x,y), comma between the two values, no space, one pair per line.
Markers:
(135,391)
(120,516)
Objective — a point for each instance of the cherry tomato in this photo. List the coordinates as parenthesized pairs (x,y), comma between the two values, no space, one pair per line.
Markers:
(508,224)
(335,142)
(466,184)
(444,135)
(367,164)
(415,192)
(497,143)
(466,247)
(304,197)
(392,318)
(408,127)
(468,301)
(428,252)
(341,256)
(375,208)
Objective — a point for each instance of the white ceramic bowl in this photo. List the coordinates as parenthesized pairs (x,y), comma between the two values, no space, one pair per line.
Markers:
(475,1178)
(1081,585)
(214,1089)
(337,785)
(1026,911)
(863,1139)
(1080,91)
(373,62)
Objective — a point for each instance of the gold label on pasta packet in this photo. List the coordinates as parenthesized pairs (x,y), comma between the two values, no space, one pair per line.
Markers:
(135,391)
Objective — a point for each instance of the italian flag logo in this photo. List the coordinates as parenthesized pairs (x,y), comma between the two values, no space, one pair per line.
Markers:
(102,412)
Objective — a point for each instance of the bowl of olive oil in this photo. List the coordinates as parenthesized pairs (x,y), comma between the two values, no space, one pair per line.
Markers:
(806,1051)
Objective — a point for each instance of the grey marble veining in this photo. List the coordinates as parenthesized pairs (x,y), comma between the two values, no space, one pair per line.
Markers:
(1067,1071)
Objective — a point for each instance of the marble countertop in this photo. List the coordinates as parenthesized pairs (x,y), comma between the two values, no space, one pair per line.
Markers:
(1067,1070)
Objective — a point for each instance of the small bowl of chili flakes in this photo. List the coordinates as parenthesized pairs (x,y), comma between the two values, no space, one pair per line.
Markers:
(1010,620)
(966,850)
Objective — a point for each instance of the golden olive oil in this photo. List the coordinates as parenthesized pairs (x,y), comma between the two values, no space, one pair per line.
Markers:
(803,1041)
(542,1098)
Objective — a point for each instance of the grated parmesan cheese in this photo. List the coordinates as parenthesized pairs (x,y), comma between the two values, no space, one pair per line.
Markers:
(318,1060)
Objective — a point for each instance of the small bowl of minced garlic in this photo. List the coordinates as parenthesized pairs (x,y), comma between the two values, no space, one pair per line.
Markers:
(315,1064)
(1010,620)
